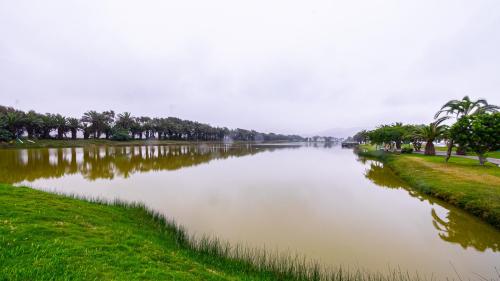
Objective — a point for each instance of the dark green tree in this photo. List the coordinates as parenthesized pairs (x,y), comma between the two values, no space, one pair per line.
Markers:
(480,132)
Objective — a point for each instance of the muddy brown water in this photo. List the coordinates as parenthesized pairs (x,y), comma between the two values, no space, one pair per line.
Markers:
(323,202)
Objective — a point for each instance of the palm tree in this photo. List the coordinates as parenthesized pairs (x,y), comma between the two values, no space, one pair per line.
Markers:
(108,117)
(146,126)
(464,107)
(14,122)
(432,132)
(135,128)
(86,129)
(99,123)
(32,122)
(125,120)
(48,124)
(5,135)
(92,122)
(73,125)
(61,125)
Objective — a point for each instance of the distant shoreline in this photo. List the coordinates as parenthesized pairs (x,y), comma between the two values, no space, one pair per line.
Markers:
(53,143)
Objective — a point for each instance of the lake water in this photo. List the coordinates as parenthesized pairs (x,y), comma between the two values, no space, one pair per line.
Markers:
(320,201)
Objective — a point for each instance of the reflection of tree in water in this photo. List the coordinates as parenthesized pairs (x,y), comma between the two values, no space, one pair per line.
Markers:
(466,232)
(458,227)
(383,176)
(107,162)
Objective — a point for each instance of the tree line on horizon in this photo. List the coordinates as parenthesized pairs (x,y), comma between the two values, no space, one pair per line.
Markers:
(477,129)
(15,124)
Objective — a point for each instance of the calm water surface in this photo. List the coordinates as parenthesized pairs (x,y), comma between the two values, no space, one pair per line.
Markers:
(323,202)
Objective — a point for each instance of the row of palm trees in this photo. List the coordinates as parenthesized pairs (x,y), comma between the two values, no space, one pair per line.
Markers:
(396,134)
(16,124)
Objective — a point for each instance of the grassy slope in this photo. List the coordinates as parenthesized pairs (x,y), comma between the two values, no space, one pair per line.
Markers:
(461,182)
(46,236)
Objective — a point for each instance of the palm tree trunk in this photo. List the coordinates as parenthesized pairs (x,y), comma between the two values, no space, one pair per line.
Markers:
(429,148)
(398,144)
(448,152)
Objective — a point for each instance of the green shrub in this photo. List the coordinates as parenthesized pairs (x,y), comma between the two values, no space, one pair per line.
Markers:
(407,150)
(5,135)
(120,135)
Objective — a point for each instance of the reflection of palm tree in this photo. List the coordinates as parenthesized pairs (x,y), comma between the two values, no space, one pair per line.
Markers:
(459,228)
(108,162)
(466,231)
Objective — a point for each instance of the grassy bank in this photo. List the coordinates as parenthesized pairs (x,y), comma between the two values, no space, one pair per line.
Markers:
(45,236)
(461,182)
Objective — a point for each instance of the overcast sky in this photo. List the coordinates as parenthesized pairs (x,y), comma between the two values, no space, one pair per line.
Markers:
(282,66)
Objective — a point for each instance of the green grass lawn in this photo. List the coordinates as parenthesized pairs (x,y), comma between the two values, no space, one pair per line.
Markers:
(493,154)
(44,236)
(461,181)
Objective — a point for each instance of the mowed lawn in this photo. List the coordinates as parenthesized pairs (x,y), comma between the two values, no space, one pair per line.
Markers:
(45,236)
(462,182)
(492,154)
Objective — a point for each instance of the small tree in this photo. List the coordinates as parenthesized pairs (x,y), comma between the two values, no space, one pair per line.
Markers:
(414,137)
(361,137)
(481,133)
(120,134)
(389,135)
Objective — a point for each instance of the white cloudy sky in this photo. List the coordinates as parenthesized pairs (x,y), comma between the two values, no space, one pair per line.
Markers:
(283,66)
